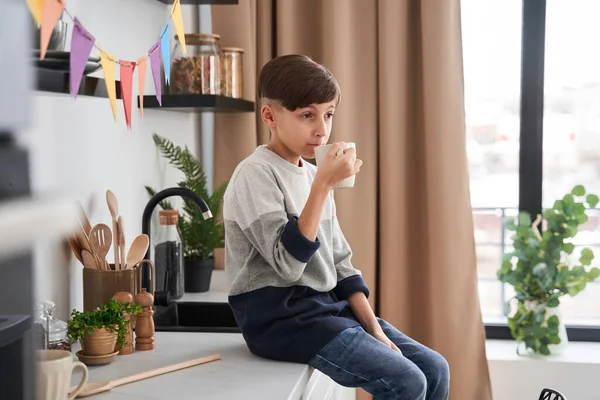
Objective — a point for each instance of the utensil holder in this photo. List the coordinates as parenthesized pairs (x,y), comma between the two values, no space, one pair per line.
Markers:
(99,286)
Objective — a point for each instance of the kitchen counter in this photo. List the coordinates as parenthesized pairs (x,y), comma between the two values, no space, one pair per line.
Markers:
(237,375)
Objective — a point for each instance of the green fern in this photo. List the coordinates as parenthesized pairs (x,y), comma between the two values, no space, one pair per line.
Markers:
(200,237)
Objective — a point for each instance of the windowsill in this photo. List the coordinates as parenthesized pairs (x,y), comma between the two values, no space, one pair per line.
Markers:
(575,352)
(574,372)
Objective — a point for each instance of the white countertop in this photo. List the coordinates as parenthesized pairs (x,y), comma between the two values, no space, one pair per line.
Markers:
(218,292)
(237,375)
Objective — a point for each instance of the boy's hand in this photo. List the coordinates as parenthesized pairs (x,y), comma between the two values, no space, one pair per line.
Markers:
(336,167)
(379,335)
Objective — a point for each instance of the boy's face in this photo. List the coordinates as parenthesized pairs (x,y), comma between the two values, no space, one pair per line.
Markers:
(298,132)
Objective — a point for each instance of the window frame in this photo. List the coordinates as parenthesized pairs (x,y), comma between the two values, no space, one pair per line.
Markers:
(533,47)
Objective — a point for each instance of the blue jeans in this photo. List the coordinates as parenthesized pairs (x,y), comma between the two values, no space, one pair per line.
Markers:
(354,358)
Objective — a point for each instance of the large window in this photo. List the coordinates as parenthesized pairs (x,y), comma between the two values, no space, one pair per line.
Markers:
(532,104)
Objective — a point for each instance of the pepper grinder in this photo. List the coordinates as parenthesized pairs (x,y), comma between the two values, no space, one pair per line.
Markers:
(144,326)
(126,297)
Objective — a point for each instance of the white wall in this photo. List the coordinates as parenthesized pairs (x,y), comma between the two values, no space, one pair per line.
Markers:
(76,147)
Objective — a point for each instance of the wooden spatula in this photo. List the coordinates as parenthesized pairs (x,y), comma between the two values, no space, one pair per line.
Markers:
(113,207)
(91,388)
(100,242)
(137,250)
(121,227)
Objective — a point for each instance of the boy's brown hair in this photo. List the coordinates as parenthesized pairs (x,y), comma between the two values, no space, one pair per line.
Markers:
(295,81)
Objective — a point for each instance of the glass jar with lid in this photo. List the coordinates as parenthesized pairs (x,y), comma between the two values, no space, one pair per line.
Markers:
(55,331)
(231,72)
(200,71)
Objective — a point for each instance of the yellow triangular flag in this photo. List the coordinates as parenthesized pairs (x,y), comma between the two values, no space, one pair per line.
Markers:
(141,79)
(35,8)
(178,22)
(108,66)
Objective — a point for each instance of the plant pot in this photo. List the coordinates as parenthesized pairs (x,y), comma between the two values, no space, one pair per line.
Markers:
(198,274)
(100,342)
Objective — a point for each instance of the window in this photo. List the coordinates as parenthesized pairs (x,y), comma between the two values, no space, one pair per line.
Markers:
(532,106)
(572,127)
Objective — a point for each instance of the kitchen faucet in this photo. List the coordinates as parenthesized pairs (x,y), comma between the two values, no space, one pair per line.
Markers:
(162,298)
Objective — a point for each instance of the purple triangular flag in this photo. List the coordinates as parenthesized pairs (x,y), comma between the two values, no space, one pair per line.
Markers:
(154,54)
(81,46)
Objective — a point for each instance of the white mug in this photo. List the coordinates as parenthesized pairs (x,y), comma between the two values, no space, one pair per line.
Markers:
(320,153)
(54,371)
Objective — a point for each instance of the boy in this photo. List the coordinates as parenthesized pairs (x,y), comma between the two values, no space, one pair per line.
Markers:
(294,292)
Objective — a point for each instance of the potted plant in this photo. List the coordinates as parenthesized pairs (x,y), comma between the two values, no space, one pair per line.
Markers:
(200,237)
(102,331)
(542,268)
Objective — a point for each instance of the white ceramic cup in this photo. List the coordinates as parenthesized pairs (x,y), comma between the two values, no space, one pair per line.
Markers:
(54,370)
(320,153)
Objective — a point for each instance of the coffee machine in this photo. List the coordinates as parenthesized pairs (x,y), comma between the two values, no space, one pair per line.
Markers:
(17,375)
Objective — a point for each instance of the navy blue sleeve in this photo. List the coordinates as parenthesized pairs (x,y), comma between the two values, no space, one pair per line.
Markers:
(296,243)
(350,285)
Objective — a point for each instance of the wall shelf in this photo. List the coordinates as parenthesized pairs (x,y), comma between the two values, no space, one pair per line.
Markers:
(198,2)
(58,82)
(198,103)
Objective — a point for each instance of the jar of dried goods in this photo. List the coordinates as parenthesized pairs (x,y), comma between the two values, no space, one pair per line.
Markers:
(200,71)
(231,72)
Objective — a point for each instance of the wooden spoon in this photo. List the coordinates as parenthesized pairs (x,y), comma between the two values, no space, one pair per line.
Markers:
(91,388)
(74,245)
(137,250)
(121,227)
(89,261)
(113,207)
(100,241)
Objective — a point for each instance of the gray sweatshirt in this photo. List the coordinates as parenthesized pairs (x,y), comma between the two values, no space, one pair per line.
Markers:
(288,293)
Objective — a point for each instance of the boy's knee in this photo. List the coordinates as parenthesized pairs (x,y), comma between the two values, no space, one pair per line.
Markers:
(439,373)
(410,384)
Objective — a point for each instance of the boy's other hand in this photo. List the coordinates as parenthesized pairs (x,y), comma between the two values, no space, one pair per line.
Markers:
(379,335)
(337,165)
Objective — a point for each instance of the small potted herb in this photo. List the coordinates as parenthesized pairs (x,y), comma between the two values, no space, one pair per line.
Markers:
(102,331)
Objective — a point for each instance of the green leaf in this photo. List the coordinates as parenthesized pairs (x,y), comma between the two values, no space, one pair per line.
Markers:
(568,200)
(553,321)
(568,248)
(509,224)
(578,190)
(553,302)
(581,218)
(594,274)
(554,339)
(592,200)
(558,205)
(587,255)
(524,218)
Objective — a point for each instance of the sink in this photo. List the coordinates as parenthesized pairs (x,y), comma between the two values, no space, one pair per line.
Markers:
(195,317)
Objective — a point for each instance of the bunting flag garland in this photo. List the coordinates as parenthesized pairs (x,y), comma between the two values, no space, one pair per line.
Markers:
(178,22)
(36,9)
(154,55)
(46,13)
(81,47)
(108,66)
(141,62)
(165,50)
(127,68)
(50,14)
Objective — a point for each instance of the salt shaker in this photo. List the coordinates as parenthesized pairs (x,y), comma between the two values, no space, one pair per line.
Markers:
(126,297)
(144,325)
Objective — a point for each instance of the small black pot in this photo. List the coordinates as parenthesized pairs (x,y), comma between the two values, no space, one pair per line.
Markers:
(198,274)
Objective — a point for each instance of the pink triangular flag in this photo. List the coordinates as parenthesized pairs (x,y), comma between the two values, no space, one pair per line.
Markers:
(127,68)
(81,46)
(154,54)
(141,78)
(50,15)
